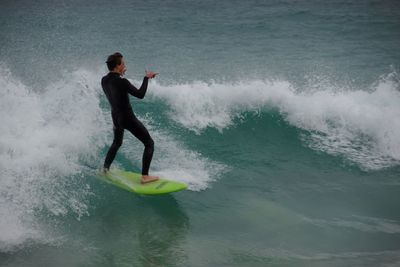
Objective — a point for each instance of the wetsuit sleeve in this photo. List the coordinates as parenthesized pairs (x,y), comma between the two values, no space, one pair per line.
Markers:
(131,89)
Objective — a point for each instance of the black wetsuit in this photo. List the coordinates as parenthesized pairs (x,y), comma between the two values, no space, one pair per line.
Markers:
(117,90)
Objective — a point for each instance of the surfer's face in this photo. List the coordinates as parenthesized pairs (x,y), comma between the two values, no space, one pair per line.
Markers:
(121,67)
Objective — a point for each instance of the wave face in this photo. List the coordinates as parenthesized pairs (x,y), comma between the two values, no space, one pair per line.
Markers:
(54,140)
(358,123)
(48,145)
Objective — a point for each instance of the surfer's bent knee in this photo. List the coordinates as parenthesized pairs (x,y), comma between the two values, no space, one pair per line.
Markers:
(149,142)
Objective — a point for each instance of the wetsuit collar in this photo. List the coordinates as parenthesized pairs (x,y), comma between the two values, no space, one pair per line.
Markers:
(114,73)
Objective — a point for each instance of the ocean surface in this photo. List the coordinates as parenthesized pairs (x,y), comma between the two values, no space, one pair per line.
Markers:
(282,116)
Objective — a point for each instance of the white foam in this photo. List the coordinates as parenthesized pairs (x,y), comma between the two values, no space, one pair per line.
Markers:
(360,124)
(44,136)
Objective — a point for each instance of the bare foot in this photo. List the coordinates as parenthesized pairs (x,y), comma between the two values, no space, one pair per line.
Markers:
(147,179)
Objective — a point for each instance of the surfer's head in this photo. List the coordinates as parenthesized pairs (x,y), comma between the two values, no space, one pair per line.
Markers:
(115,63)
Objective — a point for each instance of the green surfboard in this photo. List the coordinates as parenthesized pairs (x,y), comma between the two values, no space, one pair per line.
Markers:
(130,181)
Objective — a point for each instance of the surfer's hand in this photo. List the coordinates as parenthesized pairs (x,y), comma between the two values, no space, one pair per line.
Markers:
(150,74)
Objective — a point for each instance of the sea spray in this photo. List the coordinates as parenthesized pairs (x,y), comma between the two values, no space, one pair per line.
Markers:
(45,137)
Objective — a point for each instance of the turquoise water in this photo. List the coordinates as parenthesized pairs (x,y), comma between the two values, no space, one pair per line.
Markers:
(281,116)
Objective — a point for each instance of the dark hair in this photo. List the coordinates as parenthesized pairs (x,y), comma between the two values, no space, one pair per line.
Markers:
(113,60)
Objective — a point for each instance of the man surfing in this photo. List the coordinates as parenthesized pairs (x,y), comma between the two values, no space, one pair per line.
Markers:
(117,89)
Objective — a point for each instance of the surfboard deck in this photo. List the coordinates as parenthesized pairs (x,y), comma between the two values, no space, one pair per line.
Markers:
(130,181)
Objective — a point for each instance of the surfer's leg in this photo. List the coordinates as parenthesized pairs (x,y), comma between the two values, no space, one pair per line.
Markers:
(118,136)
(141,133)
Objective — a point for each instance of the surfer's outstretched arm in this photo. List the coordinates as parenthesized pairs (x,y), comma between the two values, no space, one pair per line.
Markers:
(139,93)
